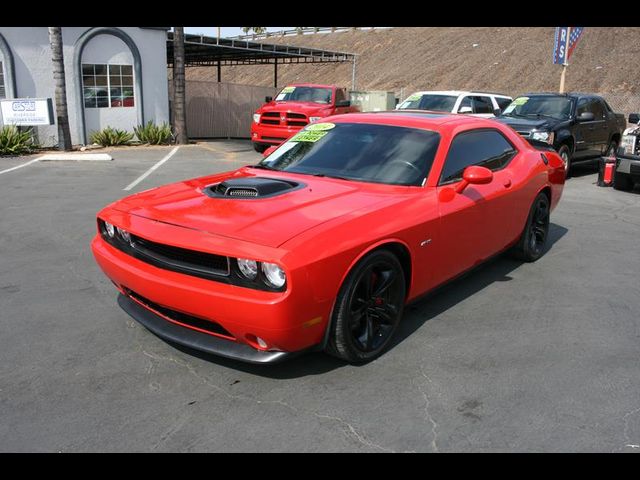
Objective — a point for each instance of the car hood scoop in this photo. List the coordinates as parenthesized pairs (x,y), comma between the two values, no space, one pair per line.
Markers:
(251,188)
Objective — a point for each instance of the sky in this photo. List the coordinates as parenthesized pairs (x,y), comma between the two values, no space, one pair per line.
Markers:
(226,31)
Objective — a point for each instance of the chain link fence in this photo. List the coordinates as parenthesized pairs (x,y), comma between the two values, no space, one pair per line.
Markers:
(625,103)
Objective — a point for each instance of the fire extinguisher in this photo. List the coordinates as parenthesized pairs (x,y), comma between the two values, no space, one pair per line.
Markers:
(606,170)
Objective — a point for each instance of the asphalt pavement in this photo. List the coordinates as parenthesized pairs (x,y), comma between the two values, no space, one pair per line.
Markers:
(513,357)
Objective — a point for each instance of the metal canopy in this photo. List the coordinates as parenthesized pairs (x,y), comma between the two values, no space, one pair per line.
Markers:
(201,50)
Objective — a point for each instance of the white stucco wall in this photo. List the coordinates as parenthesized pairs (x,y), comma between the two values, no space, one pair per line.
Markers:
(34,76)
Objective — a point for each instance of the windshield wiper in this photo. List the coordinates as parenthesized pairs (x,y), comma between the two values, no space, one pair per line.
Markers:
(330,176)
(262,167)
(541,115)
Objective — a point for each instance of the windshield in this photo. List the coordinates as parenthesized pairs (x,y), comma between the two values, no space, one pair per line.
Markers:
(437,103)
(357,151)
(304,94)
(554,107)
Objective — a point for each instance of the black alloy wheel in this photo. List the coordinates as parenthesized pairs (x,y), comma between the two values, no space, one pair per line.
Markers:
(368,308)
(531,245)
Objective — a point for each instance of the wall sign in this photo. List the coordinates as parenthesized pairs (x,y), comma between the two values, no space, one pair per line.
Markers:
(27,111)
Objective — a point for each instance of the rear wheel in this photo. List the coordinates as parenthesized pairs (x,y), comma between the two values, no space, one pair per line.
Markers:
(534,237)
(260,147)
(622,181)
(565,154)
(368,308)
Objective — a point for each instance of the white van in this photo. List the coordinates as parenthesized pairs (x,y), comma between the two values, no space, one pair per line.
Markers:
(480,104)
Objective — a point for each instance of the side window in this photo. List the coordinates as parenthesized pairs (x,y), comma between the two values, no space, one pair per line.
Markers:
(584,105)
(466,102)
(598,109)
(482,105)
(503,102)
(486,148)
(340,96)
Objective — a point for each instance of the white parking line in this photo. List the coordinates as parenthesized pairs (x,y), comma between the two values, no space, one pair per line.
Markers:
(148,172)
(19,166)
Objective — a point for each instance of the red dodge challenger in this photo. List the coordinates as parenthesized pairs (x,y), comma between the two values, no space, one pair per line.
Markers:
(322,243)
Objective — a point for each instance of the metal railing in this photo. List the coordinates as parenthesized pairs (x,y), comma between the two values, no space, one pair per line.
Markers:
(299,31)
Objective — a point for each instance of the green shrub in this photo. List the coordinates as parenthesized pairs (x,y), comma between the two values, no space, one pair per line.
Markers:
(110,136)
(15,142)
(153,134)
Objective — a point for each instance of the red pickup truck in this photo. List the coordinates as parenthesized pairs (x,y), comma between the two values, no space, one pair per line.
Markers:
(293,108)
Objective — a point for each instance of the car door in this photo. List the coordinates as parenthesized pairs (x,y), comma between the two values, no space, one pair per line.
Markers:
(478,222)
(341,96)
(601,128)
(586,145)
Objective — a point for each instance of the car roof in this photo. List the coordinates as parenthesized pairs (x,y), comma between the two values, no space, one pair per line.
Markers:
(322,85)
(458,93)
(422,119)
(556,94)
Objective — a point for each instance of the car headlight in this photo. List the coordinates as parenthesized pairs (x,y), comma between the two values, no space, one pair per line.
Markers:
(126,236)
(543,137)
(248,268)
(274,274)
(110,229)
(314,119)
(256,117)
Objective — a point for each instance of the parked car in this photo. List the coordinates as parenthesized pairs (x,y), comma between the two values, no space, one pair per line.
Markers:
(580,126)
(480,104)
(628,156)
(322,243)
(294,107)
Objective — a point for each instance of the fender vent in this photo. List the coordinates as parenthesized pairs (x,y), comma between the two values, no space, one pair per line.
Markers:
(251,187)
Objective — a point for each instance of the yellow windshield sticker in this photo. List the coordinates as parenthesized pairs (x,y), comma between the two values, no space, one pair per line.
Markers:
(520,101)
(319,127)
(414,97)
(309,136)
(288,89)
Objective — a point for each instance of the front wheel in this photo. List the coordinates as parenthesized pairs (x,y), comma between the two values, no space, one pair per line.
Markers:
(565,155)
(260,147)
(534,237)
(368,308)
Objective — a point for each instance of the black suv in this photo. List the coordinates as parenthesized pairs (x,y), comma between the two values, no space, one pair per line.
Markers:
(579,126)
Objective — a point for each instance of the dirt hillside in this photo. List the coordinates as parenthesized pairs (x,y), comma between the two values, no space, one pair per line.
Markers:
(501,59)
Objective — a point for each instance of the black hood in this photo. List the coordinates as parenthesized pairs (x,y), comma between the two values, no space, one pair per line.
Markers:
(520,124)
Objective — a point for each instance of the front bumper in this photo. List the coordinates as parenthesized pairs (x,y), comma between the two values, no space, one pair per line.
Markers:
(195,339)
(287,321)
(272,134)
(630,166)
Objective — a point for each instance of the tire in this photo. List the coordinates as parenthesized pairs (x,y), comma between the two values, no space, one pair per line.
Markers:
(260,147)
(530,246)
(368,308)
(565,153)
(622,181)
(611,149)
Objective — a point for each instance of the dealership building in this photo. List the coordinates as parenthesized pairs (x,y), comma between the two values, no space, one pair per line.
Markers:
(115,76)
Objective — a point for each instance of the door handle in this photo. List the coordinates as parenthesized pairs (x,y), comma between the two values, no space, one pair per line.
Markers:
(507,183)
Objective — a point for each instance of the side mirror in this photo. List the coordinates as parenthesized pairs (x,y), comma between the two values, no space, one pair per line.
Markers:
(474,175)
(465,110)
(343,103)
(269,151)
(586,117)
(634,118)
(268,99)
(497,111)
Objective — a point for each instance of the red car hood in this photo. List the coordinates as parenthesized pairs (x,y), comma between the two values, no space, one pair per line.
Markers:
(298,107)
(267,221)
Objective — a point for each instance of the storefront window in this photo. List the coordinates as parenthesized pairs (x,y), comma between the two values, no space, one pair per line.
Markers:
(106,86)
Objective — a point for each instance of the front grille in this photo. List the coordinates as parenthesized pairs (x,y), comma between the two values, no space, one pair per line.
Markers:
(296,115)
(171,257)
(179,317)
(291,119)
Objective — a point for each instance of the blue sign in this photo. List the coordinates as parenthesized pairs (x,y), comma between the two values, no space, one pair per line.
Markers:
(561,45)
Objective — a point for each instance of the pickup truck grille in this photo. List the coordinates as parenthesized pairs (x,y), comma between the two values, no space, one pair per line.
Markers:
(290,119)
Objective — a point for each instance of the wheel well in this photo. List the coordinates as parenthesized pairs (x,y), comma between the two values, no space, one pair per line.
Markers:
(568,142)
(402,253)
(547,192)
(616,138)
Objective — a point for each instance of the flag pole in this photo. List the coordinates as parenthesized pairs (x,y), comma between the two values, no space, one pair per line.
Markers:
(565,64)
